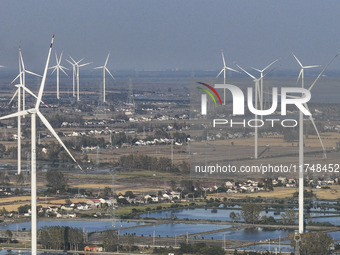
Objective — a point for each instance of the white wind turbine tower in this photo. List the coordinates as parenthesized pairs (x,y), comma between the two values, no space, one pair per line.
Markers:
(224,71)
(21,77)
(18,93)
(301,151)
(34,112)
(74,73)
(257,90)
(105,69)
(58,67)
(78,65)
(23,72)
(261,85)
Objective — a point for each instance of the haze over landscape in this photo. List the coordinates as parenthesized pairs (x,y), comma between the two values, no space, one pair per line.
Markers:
(158,35)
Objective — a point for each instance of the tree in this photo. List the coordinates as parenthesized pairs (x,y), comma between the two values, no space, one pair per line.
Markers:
(130,240)
(20,179)
(129,194)
(9,235)
(107,192)
(61,237)
(251,212)
(4,179)
(289,217)
(110,240)
(173,185)
(56,180)
(314,243)
(232,216)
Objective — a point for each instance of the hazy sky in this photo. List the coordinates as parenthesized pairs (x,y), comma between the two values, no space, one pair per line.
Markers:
(169,34)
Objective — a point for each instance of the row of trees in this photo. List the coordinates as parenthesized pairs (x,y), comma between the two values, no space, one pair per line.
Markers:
(61,238)
(250,212)
(141,161)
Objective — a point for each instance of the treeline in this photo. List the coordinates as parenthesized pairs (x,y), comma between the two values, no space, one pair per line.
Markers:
(61,238)
(145,162)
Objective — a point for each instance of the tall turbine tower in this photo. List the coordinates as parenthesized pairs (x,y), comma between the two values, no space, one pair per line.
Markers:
(58,67)
(34,112)
(224,71)
(78,65)
(74,73)
(301,151)
(104,71)
(257,90)
(301,159)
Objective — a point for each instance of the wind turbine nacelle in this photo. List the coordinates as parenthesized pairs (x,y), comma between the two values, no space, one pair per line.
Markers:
(286,99)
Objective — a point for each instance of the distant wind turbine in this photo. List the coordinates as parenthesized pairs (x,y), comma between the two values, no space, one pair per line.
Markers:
(261,85)
(301,140)
(257,90)
(224,71)
(23,72)
(78,65)
(58,67)
(34,112)
(105,69)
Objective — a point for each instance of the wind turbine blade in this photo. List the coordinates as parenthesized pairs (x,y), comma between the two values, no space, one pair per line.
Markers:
(16,114)
(15,94)
(32,94)
(16,77)
(85,64)
(21,60)
(268,72)
(99,67)
(110,73)
(260,71)
(272,63)
(79,61)
(55,68)
(229,68)
(246,72)
(220,72)
(50,128)
(62,69)
(56,57)
(323,70)
(316,130)
(41,90)
(299,76)
(107,59)
(61,55)
(311,66)
(72,60)
(224,64)
(32,73)
(297,60)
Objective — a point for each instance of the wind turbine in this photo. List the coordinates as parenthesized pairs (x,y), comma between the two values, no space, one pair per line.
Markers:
(58,67)
(105,69)
(301,151)
(18,93)
(74,73)
(77,66)
(224,71)
(23,71)
(261,85)
(257,90)
(34,112)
